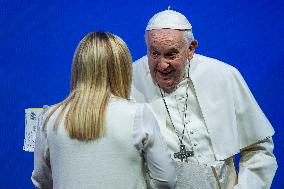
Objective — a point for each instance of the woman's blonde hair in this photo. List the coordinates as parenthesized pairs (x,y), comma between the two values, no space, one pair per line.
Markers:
(101,68)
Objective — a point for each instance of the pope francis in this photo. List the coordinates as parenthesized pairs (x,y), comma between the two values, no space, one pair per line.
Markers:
(205,110)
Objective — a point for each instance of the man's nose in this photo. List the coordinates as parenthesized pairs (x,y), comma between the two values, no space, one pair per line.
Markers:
(163,64)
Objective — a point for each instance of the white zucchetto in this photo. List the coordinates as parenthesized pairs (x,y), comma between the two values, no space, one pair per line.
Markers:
(168,19)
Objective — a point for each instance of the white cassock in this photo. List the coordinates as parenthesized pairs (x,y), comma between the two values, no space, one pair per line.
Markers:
(223,120)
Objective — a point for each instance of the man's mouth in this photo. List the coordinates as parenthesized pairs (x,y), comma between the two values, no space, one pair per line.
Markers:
(164,73)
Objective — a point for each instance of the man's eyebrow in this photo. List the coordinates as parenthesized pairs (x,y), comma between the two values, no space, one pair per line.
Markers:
(172,50)
(153,48)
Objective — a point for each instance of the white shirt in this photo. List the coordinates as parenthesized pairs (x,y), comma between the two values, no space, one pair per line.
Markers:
(233,119)
(196,135)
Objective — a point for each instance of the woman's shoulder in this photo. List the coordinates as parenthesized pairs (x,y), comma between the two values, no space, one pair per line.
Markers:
(125,109)
(127,103)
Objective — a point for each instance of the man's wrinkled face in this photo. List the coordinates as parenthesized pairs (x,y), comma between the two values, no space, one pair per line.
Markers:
(167,53)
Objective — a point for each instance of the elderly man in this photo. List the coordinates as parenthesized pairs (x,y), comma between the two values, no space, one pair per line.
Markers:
(204,108)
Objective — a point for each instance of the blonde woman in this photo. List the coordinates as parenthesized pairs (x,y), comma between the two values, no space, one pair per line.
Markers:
(96,138)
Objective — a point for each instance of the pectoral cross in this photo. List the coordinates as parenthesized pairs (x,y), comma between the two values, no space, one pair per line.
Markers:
(183,154)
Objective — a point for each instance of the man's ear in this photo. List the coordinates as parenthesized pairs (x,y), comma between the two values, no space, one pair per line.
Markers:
(191,48)
(193,45)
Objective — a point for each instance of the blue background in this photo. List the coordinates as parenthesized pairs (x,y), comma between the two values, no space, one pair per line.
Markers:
(38,39)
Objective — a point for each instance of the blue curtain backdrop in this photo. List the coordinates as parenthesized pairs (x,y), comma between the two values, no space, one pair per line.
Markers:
(38,39)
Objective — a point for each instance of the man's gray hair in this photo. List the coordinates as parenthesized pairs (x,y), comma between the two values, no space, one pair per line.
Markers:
(188,37)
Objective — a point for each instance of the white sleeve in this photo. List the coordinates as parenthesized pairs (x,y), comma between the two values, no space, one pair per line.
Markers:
(257,166)
(41,175)
(149,142)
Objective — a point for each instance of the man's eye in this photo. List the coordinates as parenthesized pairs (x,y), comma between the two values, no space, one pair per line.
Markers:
(171,56)
(154,53)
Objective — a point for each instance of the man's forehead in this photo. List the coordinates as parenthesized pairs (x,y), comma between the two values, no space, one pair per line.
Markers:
(169,37)
(167,48)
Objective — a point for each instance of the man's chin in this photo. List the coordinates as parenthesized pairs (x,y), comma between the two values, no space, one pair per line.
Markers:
(166,86)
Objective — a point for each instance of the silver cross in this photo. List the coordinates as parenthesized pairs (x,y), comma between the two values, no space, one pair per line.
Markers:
(183,154)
